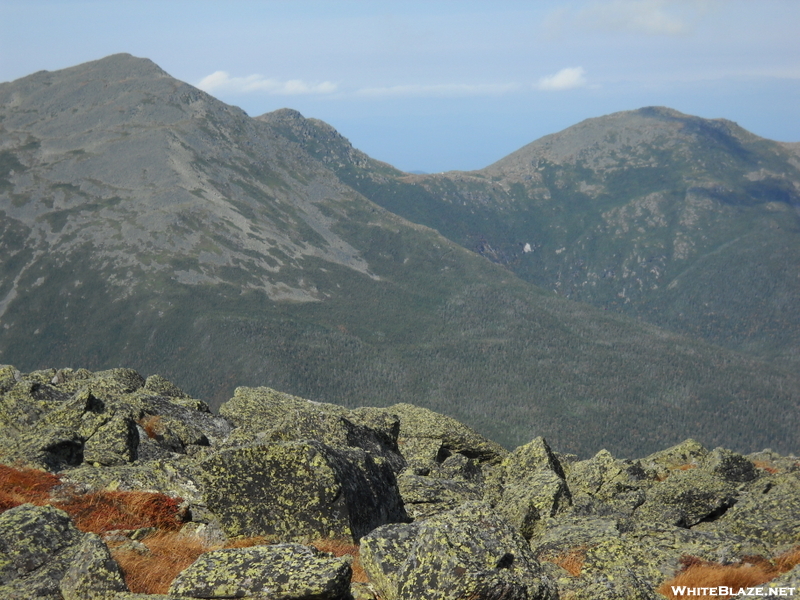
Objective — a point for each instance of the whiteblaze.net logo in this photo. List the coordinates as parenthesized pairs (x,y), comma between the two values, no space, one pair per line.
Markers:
(723,590)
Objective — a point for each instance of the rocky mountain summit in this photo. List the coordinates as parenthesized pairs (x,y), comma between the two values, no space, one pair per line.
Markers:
(425,506)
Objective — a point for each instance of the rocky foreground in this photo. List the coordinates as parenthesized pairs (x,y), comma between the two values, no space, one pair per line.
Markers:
(429,508)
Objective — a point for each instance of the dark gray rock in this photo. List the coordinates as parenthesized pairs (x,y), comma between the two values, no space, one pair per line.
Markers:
(265,415)
(299,489)
(768,509)
(42,555)
(427,496)
(466,553)
(279,572)
(93,574)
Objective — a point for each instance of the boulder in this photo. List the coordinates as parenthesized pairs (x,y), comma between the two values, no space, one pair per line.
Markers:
(768,509)
(687,498)
(59,419)
(278,572)
(606,486)
(93,574)
(427,496)
(265,415)
(42,555)
(468,552)
(114,443)
(529,486)
(593,557)
(299,489)
(688,454)
(524,503)
(427,438)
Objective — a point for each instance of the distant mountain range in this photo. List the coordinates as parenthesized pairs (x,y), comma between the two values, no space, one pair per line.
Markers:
(144,223)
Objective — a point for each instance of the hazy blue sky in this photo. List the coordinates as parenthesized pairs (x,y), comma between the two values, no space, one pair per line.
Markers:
(437,85)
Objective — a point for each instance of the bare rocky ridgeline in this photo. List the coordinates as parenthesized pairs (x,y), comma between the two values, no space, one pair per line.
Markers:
(437,510)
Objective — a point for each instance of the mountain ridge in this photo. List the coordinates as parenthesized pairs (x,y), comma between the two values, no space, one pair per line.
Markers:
(147,224)
(677,220)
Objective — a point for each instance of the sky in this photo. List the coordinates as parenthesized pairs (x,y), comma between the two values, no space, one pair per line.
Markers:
(435,85)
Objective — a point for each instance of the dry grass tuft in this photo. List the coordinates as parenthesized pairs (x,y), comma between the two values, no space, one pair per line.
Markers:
(340,548)
(168,553)
(570,560)
(18,486)
(152,572)
(788,560)
(103,511)
(95,512)
(153,426)
(766,466)
(751,572)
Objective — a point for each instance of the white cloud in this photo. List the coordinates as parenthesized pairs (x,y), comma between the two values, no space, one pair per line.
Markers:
(635,16)
(566,79)
(220,81)
(444,90)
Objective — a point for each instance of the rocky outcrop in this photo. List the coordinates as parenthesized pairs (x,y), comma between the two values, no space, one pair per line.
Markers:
(297,490)
(469,552)
(434,510)
(43,555)
(278,572)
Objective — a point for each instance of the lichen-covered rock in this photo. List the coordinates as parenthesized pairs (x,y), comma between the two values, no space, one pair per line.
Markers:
(606,558)
(59,419)
(42,555)
(279,572)
(529,486)
(605,486)
(426,496)
(93,574)
(688,454)
(173,477)
(730,466)
(768,509)
(426,436)
(300,489)
(628,560)
(524,503)
(686,498)
(114,443)
(790,579)
(159,386)
(264,415)
(468,552)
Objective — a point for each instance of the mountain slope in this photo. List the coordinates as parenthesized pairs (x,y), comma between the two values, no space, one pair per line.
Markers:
(146,224)
(688,223)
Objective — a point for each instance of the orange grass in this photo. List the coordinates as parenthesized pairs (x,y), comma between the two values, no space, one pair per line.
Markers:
(751,572)
(153,425)
(102,511)
(169,553)
(340,548)
(766,466)
(570,560)
(18,486)
(152,572)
